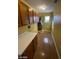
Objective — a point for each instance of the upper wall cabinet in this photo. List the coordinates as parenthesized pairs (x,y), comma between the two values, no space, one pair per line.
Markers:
(23,14)
(19,18)
(31,16)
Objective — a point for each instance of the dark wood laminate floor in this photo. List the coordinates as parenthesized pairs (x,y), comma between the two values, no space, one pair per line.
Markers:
(45,47)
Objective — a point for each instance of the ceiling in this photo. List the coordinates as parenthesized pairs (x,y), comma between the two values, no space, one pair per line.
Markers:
(42,6)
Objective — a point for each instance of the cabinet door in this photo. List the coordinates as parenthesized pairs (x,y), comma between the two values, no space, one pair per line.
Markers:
(30,16)
(24,14)
(29,52)
(19,18)
(35,43)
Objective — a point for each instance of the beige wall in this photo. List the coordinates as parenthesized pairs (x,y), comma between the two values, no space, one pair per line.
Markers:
(33,28)
(57,36)
(57,10)
(57,27)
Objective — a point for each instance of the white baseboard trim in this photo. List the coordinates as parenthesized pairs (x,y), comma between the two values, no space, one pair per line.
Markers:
(55,45)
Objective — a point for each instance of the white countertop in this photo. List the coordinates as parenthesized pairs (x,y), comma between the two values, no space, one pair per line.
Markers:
(24,40)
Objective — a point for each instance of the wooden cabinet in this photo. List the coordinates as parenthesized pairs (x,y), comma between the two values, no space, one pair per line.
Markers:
(19,16)
(30,16)
(30,50)
(23,13)
(19,19)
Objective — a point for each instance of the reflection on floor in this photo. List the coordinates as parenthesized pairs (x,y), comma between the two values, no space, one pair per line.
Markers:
(45,47)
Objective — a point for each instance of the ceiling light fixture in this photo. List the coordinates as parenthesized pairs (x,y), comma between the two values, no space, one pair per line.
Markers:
(43,7)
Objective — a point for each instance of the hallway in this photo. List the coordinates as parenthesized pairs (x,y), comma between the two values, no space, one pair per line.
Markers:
(45,47)
(34,16)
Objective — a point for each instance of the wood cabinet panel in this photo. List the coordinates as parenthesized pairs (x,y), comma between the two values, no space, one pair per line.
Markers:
(30,50)
(30,17)
(19,18)
(24,14)
(35,43)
